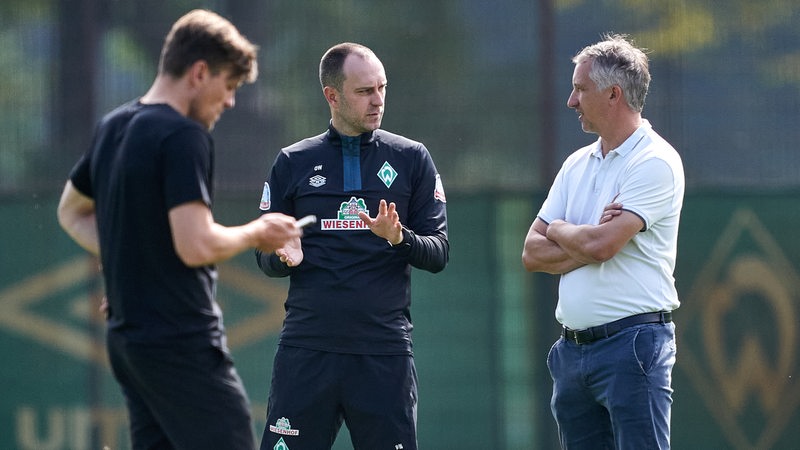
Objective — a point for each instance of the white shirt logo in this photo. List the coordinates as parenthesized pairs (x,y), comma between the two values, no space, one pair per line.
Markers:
(317,181)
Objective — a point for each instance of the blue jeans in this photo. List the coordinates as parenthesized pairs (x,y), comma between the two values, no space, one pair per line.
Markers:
(614,393)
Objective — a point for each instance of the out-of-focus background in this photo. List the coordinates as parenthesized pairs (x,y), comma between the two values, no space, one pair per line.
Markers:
(484,85)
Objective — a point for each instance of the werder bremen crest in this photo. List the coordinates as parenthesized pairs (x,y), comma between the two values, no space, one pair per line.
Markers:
(387,174)
(740,321)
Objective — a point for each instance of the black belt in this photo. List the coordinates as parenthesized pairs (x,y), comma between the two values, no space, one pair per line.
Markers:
(603,331)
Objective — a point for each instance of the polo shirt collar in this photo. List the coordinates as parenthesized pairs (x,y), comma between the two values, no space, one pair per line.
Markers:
(627,147)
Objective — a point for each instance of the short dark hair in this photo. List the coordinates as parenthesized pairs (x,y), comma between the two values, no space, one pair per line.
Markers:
(330,66)
(205,35)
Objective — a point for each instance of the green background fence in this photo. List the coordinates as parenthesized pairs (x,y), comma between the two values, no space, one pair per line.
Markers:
(482,330)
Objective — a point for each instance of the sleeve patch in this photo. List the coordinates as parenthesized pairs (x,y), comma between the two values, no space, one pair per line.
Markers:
(438,191)
(265,198)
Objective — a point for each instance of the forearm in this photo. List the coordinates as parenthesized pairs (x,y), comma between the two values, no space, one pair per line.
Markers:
(271,264)
(200,241)
(84,232)
(540,254)
(430,253)
(219,244)
(581,243)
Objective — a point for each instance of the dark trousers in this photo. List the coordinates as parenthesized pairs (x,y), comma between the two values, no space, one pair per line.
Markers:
(181,397)
(313,392)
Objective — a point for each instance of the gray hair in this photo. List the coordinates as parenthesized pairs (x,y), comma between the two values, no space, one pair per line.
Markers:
(616,61)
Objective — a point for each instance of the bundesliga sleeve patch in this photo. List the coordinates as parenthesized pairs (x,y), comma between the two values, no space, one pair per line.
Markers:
(438,190)
(265,202)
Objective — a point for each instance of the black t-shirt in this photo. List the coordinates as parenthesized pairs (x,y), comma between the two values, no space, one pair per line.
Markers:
(143,161)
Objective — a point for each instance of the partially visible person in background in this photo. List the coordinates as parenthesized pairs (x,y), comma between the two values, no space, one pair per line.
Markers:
(609,228)
(141,199)
(345,350)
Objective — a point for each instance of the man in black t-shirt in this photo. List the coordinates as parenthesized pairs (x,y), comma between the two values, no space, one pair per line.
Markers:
(141,199)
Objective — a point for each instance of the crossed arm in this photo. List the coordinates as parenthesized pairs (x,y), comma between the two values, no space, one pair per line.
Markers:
(560,247)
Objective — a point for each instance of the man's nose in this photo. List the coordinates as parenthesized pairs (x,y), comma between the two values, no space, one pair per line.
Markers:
(378,98)
(572,100)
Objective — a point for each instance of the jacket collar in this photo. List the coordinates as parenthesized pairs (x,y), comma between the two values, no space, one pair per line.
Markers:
(336,139)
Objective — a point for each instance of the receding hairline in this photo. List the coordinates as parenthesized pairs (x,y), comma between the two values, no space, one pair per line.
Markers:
(331,65)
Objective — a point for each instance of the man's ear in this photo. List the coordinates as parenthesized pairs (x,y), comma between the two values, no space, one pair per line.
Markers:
(331,95)
(616,93)
(198,72)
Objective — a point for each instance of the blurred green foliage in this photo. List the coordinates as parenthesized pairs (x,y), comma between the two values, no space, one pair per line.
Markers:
(480,83)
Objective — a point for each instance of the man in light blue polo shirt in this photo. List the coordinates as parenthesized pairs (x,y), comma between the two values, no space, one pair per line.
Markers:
(609,228)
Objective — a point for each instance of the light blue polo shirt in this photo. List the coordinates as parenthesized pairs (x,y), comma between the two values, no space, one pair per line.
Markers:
(647,173)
